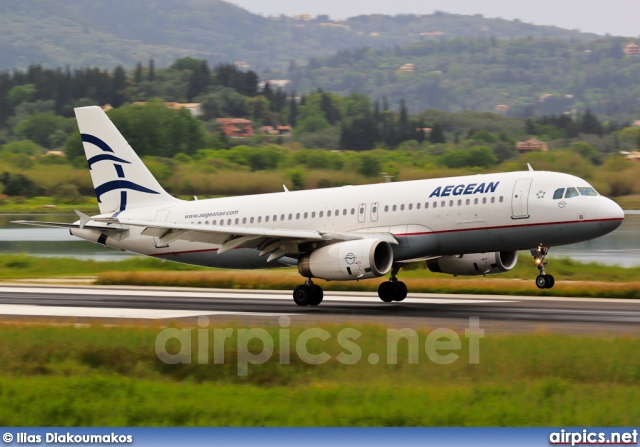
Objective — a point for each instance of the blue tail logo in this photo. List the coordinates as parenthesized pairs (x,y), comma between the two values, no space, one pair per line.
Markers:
(108,155)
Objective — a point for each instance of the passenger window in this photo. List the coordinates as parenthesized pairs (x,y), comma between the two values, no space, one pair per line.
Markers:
(410,206)
(313,215)
(426,205)
(450,202)
(558,194)
(475,201)
(329,213)
(417,206)
(493,200)
(266,218)
(321,213)
(344,212)
(275,218)
(443,204)
(501,199)
(459,202)
(402,207)
(282,217)
(215,221)
(394,207)
(206,222)
(571,192)
(229,222)
(306,215)
(290,216)
(386,208)
(244,221)
(468,201)
(435,204)
(297,216)
(484,200)
(353,211)
(251,220)
(222,223)
(259,219)
(373,210)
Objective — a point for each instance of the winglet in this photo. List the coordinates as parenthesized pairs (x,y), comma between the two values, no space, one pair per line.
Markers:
(530,168)
(83,218)
(285,188)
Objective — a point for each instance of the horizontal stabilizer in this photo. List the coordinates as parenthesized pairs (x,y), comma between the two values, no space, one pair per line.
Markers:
(35,223)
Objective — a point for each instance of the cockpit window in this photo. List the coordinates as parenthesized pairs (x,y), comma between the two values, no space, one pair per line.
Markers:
(558,194)
(585,191)
(571,192)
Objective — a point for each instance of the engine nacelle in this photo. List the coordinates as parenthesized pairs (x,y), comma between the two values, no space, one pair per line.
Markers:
(361,259)
(475,264)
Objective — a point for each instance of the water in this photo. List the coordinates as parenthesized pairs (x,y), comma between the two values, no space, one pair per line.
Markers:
(51,242)
(622,247)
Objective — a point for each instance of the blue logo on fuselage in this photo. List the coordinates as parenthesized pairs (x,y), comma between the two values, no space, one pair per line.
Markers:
(464,190)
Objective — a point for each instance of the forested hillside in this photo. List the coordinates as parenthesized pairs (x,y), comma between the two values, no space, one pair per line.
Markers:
(106,33)
(191,155)
(530,76)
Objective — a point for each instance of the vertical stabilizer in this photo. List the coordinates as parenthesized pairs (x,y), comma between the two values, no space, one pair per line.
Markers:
(120,179)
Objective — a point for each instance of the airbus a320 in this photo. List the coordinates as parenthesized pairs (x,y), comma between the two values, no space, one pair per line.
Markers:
(471,225)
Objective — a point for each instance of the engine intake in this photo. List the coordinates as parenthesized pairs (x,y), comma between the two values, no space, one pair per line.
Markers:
(361,259)
(475,264)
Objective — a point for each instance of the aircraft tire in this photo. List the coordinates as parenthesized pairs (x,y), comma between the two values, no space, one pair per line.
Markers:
(400,291)
(302,295)
(316,296)
(386,291)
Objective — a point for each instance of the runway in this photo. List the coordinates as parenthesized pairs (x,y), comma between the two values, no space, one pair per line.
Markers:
(182,306)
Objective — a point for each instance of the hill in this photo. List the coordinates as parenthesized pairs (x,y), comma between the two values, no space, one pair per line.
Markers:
(106,33)
(528,76)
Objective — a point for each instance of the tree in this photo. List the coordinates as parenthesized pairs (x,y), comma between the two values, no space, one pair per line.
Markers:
(117,87)
(437,135)
(41,127)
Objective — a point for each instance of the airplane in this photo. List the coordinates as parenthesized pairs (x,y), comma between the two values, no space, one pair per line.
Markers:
(469,225)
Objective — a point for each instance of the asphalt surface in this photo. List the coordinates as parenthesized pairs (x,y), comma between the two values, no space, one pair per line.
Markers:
(497,314)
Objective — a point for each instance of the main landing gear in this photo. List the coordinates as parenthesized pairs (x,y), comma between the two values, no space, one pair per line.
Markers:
(393,290)
(308,294)
(543,281)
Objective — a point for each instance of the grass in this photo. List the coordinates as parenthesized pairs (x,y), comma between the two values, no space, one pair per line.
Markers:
(18,266)
(572,278)
(97,376)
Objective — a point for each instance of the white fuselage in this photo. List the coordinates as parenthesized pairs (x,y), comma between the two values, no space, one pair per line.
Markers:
(429,218)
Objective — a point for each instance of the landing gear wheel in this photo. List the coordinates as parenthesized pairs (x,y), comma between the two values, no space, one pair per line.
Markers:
(545,281)
(386,291)
(302,295)
(551,280)
(400,291)
(317,295)
(392,291)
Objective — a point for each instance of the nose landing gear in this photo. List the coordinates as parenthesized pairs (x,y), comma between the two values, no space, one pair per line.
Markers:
(543,281)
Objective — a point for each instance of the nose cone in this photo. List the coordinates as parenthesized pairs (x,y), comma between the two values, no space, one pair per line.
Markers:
(610,214)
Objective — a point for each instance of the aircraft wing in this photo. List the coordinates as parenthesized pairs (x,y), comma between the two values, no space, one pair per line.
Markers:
(268,240)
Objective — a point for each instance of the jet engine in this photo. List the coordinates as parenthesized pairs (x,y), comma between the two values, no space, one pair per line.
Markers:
(361,259)
(474,264)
